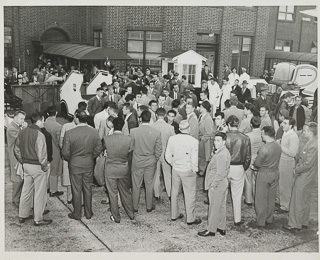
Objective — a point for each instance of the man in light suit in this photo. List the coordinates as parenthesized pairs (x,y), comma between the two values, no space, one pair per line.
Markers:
(54,128)
(166,131)
(233,110)
(192,120)
(131,119)
(147,149)
(81,145)
(111,96)
(118,147)
(162,102)
(305,178)
(13,130)
(216,183)
(206,131)
(95,104)
(245,126)
(174,94)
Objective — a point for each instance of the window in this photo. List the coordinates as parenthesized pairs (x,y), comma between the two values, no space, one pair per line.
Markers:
(97,38)
(241,52)
(145,47)
(283,45)
(207,38)
(190,72)
(286,13)
(8,46)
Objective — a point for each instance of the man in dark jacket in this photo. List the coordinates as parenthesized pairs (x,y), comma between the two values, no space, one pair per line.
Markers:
(239,147)
(298,113)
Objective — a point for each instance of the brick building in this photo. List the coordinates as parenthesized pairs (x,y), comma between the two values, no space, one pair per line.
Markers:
(238,36)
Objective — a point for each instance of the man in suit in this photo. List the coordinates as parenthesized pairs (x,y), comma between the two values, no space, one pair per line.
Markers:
(131,119)
(13,130)
(305,178)
(265,118)
(174,94)
(156,86)
(233,110)
(81,145)
(134,85)
(206,131)
(147,150)
(171,116)
(216,182)
(244,93)
(263,99)
(166,131)
(205,73)
(95,104)
(145,98)
(245,125)
(116,86)
(31,151)
(110,108)
(162,103)
(118,147)
(54,128)
(182,154)
(298,113)
(192,121)
(111,96)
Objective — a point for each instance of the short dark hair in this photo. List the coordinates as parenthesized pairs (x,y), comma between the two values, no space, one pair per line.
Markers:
(219,114)
(51,111)
(265,106)
(99,88)
(250,107)
(162,95)
(233,101)
(291,120)
(161,112)
(269,131)
(152,101)
(110,119)
(175,103)
(233,121)
(118,124)
(172,111)
(255,122)
(112,104)
(204,92)
(144,90)
(130,97)
(143,107)
(145,116)
(222,135)
(19,112)
(184,77)
(123,92)
(82,116)
(82,105)
(227,103)
(35,117)
(313,127)
(128,106)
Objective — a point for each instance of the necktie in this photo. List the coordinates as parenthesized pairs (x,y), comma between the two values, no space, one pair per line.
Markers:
(175,95)
(111,98)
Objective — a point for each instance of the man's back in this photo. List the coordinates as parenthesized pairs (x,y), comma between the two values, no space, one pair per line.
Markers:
(256,142)
(81,145)
(147,146)
(54,128)
(233,110)
(166,131)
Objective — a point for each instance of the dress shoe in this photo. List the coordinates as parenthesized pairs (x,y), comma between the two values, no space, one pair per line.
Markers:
(42,222)
(72,217)
(113,219)
(56,194)
(149,210)
(206,202)
(222,232)
(249,204)
(196,222)
(69,201)
(289,228)
(157,198)
(48,190)
(206,233)
(180,217)
(90,216)
(104,202)
(45,212)
(131,218)
(135,211)
(280,211)
(238,223)
(22,220)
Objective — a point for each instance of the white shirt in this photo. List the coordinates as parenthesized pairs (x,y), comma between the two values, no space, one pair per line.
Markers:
(99,98)
(109,79)
(226,90)
(103,115)
(232,78)
(128,116)
(175,95)
(214,93)
(244,76)
(182,153)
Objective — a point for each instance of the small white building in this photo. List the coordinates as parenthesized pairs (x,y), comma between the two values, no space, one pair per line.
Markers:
(188,63)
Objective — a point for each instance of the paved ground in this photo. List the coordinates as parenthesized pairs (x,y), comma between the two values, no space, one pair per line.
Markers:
(150,232)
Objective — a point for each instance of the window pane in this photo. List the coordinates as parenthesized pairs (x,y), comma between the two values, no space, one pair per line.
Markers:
(282,16)
(288,43)
(7,39)
(153,59)
(157,36)
(185,69)
(7,31)
(246,40)
(282,8)
(136,35)
(154,47)
(290,9)
(96,34)
(137,58)
(286,48)
(278,48)
(289,17)
(235,61)
(245,60)
(135,46)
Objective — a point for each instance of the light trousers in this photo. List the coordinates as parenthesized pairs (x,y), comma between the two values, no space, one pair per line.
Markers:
(286,180)
(249,186)
(166,169)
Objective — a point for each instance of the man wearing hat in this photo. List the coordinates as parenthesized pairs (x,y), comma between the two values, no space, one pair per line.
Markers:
(182,154)
(263,99)
(244,93)
(205,73)
(214,92)
(244,76)
(226,72)
(283,103)
(133,84)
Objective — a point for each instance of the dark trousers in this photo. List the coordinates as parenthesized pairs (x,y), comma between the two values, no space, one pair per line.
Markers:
(81,182)
(16,191)
(123,186)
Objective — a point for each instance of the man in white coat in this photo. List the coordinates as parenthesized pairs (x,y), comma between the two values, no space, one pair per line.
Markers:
(214,93)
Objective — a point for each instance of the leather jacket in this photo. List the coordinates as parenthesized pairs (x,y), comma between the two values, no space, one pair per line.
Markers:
(239,147)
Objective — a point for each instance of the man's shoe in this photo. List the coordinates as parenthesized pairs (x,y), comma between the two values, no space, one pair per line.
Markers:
(56,194)
(131,218)
(238,223)
(180,217)
(72,217)
(48,190)
(196,222)
(249,204)
(42,222)
(135,211)
(280,211)
(206,202)
(104,202)
(149,210)
(289,228)
(206,233)
(22,220)
(45,212)
(113,219)
(157,198)
(222,232)
(69,201)
(89,217)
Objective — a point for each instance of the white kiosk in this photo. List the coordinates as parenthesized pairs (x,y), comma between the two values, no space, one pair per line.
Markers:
(188,63)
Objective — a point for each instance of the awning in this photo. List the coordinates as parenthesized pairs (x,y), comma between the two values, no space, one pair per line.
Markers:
(291,56)
(84,52)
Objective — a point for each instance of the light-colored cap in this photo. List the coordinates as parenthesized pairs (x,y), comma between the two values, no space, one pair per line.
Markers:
(184,125)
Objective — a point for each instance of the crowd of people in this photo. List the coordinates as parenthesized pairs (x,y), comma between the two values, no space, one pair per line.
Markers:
(132,133)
